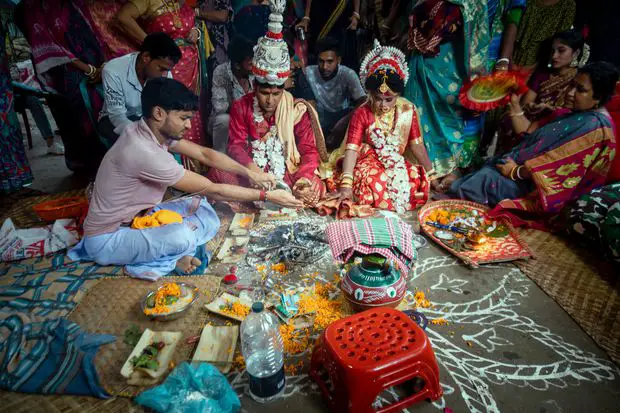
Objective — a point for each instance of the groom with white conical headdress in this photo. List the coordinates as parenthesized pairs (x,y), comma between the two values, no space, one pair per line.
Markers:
(269,130)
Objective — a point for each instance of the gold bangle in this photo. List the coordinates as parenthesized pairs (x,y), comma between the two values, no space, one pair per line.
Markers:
(353,147)
(347,175)
(349,186)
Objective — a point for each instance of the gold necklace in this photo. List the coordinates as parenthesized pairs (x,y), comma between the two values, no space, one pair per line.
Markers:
(386,120)
(173,7)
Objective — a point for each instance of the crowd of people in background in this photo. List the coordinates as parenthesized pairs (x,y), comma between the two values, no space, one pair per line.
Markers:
(367,109)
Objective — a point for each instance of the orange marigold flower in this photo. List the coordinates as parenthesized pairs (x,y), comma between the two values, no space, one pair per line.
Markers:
(280,267)
(166,290)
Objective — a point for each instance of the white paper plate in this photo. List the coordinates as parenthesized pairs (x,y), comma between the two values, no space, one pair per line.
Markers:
(165,355)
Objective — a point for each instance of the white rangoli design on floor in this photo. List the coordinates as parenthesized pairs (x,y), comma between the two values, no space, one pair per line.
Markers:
(473,369)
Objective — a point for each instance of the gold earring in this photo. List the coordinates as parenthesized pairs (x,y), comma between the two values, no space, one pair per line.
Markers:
(575,61)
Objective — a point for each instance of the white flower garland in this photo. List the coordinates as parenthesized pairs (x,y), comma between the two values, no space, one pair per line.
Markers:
(398,186)
(256,112)
(268,153)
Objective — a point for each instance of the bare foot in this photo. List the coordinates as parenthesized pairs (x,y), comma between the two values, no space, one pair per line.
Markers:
(446,182)
(187,264)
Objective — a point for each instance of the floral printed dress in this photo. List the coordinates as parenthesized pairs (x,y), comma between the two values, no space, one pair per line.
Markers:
(382,177)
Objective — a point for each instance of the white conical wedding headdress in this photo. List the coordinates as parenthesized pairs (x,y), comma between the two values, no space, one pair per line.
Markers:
(271,62)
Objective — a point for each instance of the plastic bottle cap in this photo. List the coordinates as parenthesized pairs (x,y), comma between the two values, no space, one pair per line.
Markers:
(257,307)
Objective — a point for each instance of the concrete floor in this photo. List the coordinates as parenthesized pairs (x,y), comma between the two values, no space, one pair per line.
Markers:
(508,347)
(50,172)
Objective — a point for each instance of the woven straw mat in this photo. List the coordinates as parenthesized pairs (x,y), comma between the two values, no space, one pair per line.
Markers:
(113,305)
(578,282)
(35,403)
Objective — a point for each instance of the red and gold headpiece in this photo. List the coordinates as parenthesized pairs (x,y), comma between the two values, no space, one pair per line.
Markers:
(382,62)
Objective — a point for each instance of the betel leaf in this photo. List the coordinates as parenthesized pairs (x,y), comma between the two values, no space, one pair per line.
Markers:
(170,299)
(140,361)
(151,351)
(132,335)
(152,365)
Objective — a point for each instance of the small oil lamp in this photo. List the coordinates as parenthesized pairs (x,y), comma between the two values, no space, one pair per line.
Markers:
(476,239)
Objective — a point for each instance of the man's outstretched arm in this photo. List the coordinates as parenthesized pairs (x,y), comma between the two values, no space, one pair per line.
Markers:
(223,162)
(193,183)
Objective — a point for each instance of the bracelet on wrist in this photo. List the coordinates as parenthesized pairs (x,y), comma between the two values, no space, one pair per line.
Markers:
(503,60)
(512,173)
(519,177)
(345,185)
(514,115)
(92,70)
(262,196)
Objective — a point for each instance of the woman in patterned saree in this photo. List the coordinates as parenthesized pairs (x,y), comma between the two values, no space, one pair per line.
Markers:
(68,58)
(548,87)
(14,169)
(176,19)
(566,157)
(100,15)
(374,171)
(451,41)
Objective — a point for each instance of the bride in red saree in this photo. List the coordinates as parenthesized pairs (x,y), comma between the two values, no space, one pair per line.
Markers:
(176,19)
(374,171)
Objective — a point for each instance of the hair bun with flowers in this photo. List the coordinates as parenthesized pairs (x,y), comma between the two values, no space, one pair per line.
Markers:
(384,58)
(271,62)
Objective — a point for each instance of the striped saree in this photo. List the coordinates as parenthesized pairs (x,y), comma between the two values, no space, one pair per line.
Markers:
(567,158)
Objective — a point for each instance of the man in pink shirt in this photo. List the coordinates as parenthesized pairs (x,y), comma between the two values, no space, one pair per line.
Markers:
(134,176)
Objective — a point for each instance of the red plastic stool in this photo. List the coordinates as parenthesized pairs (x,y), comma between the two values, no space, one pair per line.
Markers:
(369,352)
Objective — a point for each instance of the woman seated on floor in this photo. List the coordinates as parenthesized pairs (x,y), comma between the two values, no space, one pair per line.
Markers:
(374,171)
(559,158)
(549,86)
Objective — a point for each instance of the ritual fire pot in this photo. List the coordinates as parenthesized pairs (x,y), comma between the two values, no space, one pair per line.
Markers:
(373,281)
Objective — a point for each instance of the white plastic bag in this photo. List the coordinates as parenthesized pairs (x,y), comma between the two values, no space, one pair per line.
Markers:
(17,244)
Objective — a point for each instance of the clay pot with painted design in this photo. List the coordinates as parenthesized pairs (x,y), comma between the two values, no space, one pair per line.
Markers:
(373,281)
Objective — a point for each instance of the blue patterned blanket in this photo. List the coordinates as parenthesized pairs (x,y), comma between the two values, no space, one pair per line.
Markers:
(40,351)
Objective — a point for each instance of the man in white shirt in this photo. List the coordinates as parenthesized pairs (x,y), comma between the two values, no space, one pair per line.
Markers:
(123,80)
(336,88)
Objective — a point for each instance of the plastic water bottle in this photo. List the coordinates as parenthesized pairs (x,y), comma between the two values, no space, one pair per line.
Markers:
(263,350)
